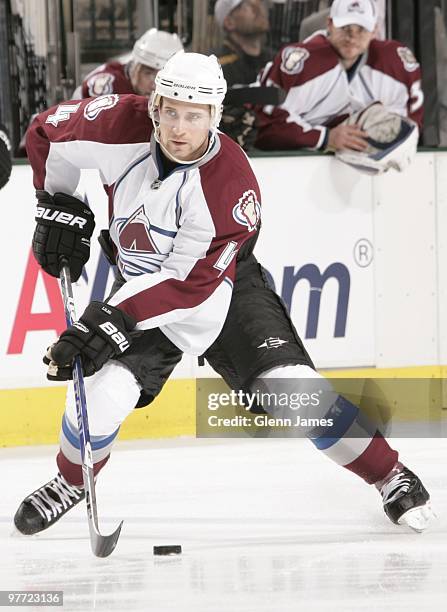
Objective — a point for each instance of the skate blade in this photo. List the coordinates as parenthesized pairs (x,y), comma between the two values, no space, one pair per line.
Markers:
(418,519)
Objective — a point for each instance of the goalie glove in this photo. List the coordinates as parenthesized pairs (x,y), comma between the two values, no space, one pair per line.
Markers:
(103,332)
(392,141)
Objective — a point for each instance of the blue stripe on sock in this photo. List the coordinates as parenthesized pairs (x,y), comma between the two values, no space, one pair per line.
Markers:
(98,442)
(343,413)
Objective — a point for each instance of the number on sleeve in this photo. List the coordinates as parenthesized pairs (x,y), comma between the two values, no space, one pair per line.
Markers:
(63,113)
(417,97)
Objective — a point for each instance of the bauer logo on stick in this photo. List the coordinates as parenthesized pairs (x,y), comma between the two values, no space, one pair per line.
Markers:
(248,211)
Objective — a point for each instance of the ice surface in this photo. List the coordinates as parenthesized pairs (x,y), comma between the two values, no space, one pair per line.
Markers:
(265,526)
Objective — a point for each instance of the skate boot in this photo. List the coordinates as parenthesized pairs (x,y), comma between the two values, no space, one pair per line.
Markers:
(405,500)
(46,505)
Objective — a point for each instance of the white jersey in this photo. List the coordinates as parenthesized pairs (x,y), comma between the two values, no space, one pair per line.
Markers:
(321,93)
(176,236)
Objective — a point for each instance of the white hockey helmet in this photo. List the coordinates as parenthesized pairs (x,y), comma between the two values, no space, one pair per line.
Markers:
(155,47)
(191,77)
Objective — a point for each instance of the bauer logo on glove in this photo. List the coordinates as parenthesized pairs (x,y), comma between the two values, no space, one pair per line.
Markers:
(59,216)
(64,226)
(115,335)
(81,327)
(102,333)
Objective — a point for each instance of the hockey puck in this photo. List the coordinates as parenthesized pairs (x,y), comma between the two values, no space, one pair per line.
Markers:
(168,550)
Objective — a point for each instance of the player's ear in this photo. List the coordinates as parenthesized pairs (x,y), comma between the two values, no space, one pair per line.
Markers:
(228,24)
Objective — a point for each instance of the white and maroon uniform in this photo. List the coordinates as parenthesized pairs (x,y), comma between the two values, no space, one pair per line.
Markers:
(175,238)
(321,93)
(112,77)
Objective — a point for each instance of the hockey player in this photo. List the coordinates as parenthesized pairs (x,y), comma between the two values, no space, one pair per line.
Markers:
(337,74)
(185,212)
(149,55)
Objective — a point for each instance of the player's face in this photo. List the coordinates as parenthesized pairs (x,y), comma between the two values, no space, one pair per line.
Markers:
(249,17)
(143,79)
(184,128)
(350,41)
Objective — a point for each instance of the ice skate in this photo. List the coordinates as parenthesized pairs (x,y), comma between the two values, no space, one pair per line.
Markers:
(47,505)
(405,499)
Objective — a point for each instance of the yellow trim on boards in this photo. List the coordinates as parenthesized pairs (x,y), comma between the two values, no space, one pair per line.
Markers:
(33,416)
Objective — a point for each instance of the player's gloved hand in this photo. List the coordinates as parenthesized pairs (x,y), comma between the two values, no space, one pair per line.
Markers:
(64,227)
(239,123)
(100,334)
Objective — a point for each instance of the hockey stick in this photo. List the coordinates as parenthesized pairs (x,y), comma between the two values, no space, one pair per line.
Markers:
(102,546)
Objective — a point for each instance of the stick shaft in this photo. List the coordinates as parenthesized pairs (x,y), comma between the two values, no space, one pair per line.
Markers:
(102,546)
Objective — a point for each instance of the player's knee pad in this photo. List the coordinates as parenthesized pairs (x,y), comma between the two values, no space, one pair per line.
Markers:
(299,390)
(111,394)
(286,391)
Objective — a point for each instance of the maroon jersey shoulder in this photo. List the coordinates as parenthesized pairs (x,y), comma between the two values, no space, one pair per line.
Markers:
(109,78)
(394,59)
(229,169)
(230,188)
(301,62)
(109,119)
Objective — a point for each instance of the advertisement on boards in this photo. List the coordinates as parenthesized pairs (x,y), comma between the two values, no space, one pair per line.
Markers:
(316,244)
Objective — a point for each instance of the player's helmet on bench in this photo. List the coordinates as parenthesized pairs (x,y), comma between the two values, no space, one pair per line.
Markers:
(155,47)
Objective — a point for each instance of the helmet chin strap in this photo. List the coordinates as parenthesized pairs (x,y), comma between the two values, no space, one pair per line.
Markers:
(184,162)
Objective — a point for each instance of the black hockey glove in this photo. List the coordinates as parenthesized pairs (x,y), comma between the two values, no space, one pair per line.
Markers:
(64,227)
(5,157)
(239,123)
(100,334)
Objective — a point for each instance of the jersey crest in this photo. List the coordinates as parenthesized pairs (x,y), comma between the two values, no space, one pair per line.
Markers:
(96,106)
(100,84)
(292,59)
(135,233)
(247,211)
(408,59)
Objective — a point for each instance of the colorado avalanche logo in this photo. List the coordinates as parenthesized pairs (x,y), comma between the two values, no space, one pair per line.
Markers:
(409,61)
(100,84)
(355,7)
(293,59)
(135,234)
(247,211)
(93,108)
